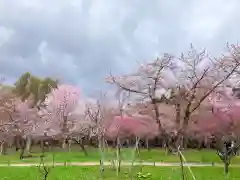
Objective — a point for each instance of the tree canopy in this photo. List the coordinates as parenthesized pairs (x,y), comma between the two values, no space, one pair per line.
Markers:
(33,87)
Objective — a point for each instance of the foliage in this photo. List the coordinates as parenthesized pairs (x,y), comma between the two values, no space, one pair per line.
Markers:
(132,126)
(143,176)
(31,86)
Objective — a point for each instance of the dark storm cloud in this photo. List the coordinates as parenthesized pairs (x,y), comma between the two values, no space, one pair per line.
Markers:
(79,42)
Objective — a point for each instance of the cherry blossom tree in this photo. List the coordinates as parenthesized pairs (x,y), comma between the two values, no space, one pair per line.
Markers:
(132,126)
(225,106)
(226,109)
(101,113)
(62,102)
(22,121)
(146,82)
(95,113)
(6,98)
(167,116)
(186,82)
(79,129)
(53,120)
(207,127)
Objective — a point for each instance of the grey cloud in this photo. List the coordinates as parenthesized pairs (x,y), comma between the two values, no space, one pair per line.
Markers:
(86,39)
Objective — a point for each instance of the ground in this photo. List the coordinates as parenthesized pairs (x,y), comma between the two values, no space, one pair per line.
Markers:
(154,155)
(92,173)
(207,158)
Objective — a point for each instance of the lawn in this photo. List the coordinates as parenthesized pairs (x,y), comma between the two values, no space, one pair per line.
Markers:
(92,173)
(154,155)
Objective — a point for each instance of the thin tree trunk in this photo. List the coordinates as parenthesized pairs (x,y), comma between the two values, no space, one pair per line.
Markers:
(185,141)
(42,146)
(64,144)
(79,142)
(29,144)
(50,144)
(226,168)
(118,156)
(22,146)
(199,144)
(134,156)
(69,145)
(17,142)
(238,142)
(157,116)
(182,167)
(64,130)
(127,143)
(182,131)
(147,144)
(178,114)
(101,151)
(2,148)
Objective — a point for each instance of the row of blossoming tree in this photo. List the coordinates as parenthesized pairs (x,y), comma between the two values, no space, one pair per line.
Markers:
(188,96)
(170,100)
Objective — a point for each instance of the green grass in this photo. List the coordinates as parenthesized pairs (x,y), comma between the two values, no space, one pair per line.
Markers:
(92,173)
(154,155)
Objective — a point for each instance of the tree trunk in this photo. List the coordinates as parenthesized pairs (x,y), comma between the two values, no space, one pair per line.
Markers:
(42,146)
(82,146)
(91,143)
(134,156)
(181,140)
(182,167)
(157,116)
(3,148)
(50,144)
(17,141)
(147,145)
(22,146)
(118,156)
(64,144)
(101,151)
(69,145)
(83,149)
(226,168)
(207,143)
(199,144)
(29,144)
(64,130)
(178,113)
(238,142)
(127,143)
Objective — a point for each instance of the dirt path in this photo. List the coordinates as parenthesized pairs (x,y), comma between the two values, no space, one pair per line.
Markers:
(158,164)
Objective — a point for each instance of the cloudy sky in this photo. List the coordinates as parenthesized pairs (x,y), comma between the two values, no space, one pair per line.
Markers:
(80,41)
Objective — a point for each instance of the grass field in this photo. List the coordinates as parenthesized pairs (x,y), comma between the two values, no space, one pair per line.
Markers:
(92,173)
(154,155)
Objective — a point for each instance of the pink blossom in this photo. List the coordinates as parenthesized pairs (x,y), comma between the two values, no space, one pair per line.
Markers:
(224,119)
(128,126)
(64,99)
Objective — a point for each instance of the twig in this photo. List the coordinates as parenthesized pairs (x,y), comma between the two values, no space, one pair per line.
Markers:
(45,168)
(189,168)
(181,161)
(134,158)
